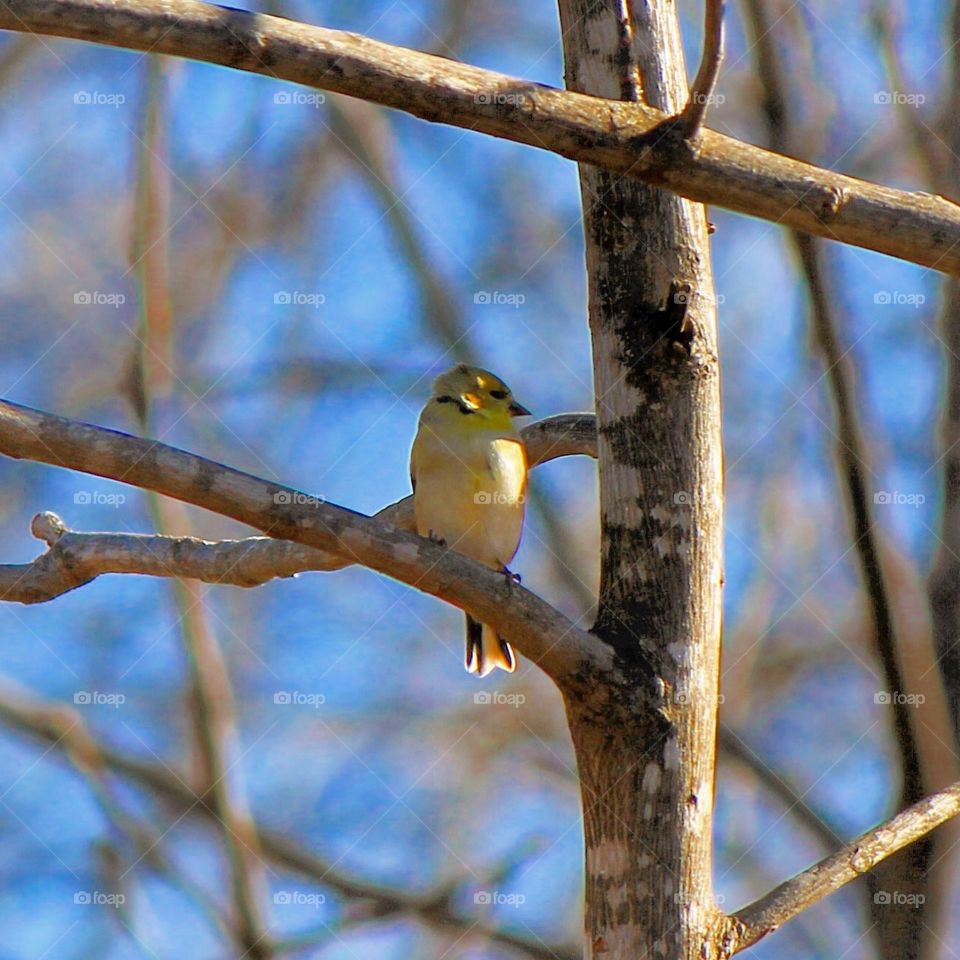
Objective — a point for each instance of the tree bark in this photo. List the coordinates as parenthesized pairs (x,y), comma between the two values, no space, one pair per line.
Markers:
(645,742)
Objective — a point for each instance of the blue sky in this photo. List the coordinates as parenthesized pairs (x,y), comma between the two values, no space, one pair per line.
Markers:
(399,777)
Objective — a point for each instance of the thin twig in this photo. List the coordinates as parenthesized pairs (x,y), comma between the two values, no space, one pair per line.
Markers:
(705,83)
(927,148)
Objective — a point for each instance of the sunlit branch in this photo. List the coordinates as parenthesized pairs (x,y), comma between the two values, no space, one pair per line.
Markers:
(623,137)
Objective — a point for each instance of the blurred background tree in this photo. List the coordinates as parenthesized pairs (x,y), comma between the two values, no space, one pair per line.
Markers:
(271,276)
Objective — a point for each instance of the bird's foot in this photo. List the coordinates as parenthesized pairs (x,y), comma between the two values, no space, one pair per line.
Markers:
(512,577)
(439,541)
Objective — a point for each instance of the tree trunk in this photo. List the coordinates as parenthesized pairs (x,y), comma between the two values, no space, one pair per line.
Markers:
(645,742)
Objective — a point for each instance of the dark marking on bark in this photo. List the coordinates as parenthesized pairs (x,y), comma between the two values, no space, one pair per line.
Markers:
(592,9)
(207,475)
(623,60)
(673,317)
(666,145)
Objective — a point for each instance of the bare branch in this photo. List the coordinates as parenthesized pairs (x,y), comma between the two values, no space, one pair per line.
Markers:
(75,558)
(623,137)
(63,729)
(543,634)
(812,885)
(705,83)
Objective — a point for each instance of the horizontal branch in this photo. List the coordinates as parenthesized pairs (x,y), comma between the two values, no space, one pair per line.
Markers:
(540,632)
(75,558)
(809,887)
(624,137)
(62,729)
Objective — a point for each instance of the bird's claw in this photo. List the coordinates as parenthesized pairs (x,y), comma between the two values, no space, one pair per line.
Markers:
(439,541)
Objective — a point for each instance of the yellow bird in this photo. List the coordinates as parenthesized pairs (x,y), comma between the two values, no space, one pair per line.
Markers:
(469,473)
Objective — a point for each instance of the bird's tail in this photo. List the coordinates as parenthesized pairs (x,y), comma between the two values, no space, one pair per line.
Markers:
(485,650)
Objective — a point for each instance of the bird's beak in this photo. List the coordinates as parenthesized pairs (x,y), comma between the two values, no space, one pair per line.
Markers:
(518,410)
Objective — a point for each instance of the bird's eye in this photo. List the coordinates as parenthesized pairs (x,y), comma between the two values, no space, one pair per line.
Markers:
(498,394)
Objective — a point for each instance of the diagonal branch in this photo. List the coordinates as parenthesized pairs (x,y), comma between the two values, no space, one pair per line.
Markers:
(64,731)
(811,886)
(558,646)
(626,137)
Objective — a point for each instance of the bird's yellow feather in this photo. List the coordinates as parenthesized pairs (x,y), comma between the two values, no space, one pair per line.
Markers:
(469,472)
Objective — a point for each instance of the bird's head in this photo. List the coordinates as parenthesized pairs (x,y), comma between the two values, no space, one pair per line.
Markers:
(476,397)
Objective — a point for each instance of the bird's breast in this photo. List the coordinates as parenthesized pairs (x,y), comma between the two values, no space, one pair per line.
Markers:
(472,495)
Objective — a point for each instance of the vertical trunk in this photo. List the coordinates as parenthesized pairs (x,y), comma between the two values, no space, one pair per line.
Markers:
(645,743)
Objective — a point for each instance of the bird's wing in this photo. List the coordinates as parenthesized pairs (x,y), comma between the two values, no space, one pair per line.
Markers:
(507,463)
